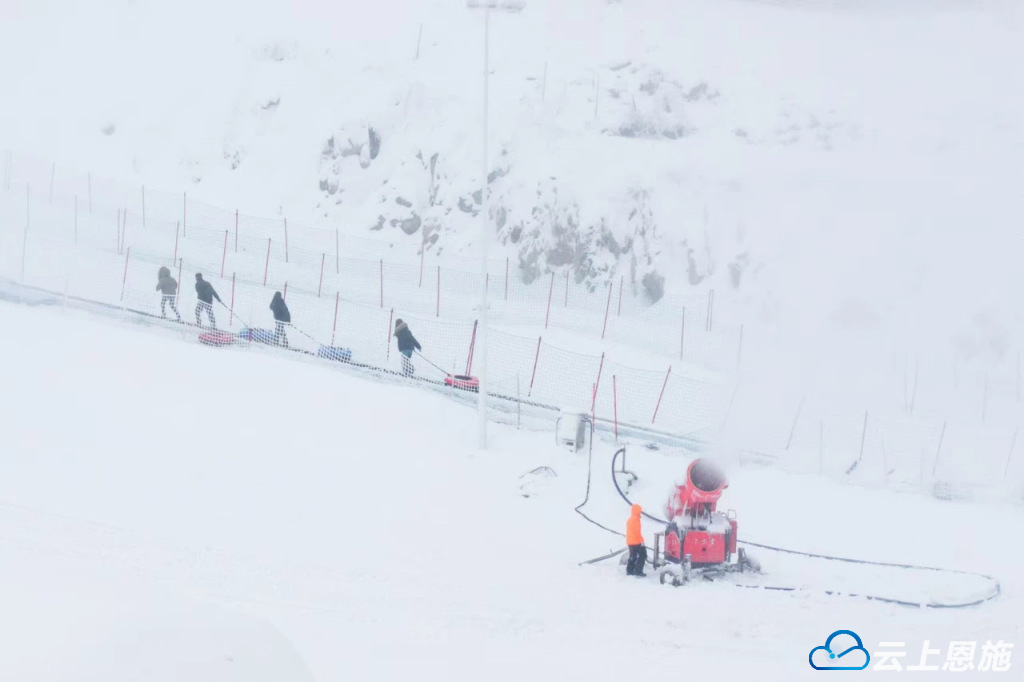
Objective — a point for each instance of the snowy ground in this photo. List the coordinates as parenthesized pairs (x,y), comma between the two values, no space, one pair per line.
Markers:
(169,510)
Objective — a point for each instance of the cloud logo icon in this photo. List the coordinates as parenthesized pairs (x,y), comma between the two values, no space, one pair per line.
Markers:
(843,650)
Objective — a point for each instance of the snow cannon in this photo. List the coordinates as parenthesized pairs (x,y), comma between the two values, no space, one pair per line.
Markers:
(699,539)
(699,494)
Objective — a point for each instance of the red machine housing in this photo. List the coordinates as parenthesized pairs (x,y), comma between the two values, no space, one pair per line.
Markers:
(696,528)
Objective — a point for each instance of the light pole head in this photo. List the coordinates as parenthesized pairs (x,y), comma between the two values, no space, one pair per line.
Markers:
(500,5)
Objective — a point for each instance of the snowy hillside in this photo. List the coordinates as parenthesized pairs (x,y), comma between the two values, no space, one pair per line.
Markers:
(871,149)
(216,514)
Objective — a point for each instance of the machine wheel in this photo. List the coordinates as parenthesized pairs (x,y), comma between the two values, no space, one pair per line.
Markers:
(747,562)
(670,577)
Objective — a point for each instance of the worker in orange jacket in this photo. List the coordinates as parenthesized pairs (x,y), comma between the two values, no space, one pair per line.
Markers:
(635,541)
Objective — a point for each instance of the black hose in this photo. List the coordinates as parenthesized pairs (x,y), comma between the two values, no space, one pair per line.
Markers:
(994,592)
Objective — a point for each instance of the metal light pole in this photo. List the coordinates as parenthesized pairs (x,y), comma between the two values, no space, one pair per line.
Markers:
(485,218)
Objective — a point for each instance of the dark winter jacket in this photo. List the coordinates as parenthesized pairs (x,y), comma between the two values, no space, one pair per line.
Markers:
(205,292)
(406,341)
(280,308)
(166,284)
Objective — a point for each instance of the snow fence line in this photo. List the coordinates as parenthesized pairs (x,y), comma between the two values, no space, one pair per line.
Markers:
(505,408)
(168,226)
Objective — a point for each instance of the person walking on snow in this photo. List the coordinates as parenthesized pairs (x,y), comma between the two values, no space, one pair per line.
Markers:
(168,288)
(635,542)
(205,294)
(407,343)
(282,316)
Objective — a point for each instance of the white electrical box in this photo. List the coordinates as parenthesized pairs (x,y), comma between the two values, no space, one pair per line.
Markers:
(573,429)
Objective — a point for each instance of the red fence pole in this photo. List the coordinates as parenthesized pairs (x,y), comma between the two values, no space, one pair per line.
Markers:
(236,230)
(621,278)
(682,334)
(284,296)
(423,251)
(472,345)
(381,282)
(224,256)
(607,307)
(600,367)
(390,321)
(320,287)
(285,240)
(661,395)
(177,228)
(438,313)
(124,280)
(534,375)
(506,278)
(615,407)
(180,262)
(551,291)
(334,327)
(124,229)
(266,268)
(231,313)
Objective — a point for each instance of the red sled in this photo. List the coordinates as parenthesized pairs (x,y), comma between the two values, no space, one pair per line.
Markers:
(217,338)
(463,382)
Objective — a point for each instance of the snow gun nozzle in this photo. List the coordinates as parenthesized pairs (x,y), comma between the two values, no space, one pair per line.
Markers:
(704,485)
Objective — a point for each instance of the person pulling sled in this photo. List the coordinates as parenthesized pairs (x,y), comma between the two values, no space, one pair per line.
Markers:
(282,316)
(168,288)
(635,542)
(205,293)
(407,343)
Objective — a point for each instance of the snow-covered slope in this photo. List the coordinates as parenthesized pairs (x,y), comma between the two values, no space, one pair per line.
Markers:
(170,510)
(809,153)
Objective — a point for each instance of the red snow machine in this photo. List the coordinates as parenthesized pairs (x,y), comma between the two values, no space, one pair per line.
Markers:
(699,539)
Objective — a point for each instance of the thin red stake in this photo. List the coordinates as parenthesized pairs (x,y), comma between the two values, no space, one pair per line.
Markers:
(224,256)
(266,267)
(600,367)
(660,395)
(534,374)
(124,229)
(390,320)
(180,262)
(177,228)
(423,250)
(236,230)
(284,296)
(551,292)
(334,327)
(285,240)
(506,278)
(566,288)
(472,345)
(320,287)
(438,313)
(124,280)
(382,283)
(607,308)
(231,313)
(682,334)
(615,407)
(621,278)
